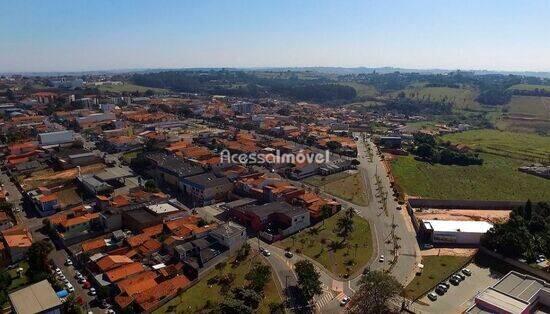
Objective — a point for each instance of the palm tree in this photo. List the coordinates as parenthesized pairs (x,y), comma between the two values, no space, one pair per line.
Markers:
(344,226)
(326,211)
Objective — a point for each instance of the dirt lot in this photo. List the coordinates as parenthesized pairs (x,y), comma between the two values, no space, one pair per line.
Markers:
(47,177)
(493,216)
(449,252)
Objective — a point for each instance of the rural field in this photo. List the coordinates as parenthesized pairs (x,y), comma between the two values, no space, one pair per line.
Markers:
(129,87)
(460,97)
(535,106)
(521,146)
(362,89)
(529,87)
(315,242)
(496,179)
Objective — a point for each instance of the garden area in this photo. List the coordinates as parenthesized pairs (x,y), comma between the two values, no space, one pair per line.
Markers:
(326,244)
(231,284)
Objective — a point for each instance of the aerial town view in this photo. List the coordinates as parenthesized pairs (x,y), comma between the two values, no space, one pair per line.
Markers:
(235,157)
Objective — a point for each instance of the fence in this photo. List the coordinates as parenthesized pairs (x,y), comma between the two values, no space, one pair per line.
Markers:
(464,204)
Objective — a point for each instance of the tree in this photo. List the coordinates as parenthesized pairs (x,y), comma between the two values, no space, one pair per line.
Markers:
(376,292)
(150,186)
(258,276)
(326,211)
(243,252)
(250,297)
(70,306)
(6,206)
(276,308)
(355,162)
(425,151)
(308,279)
(344,225)
(234,306)
(38,256)
(333,145)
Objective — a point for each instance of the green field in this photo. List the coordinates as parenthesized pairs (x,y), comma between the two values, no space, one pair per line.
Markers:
(345,186)
(509,144)
(194,299)
(497,179)
(362,89)
(530,87)
(129,87)
(460,97)
(315,243)
(530,105)
(436,269)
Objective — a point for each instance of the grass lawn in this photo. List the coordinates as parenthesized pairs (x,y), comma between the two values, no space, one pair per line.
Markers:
(343,185)
(194,299)
(18,282)
(510,144)
(497,179)
(128,156)
(530,105)
(315,243)
(436,268)
(129,87)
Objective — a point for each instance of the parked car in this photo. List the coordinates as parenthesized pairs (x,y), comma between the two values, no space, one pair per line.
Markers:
(289,254)
(445,284)
(381,259)
(440,291)
(444,287)
(432,296)
(461,276)
(68,262)
(266,253)
(86,285)
(427,246)
(454,281)
(92,291)
(466,272)
(70,287)
(344,301)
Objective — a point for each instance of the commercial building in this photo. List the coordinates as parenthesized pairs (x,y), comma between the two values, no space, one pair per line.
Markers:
(514,293)
(452,231)
(36,298)
(55,138)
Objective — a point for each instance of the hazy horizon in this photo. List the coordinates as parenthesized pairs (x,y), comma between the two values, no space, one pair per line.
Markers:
(106,35)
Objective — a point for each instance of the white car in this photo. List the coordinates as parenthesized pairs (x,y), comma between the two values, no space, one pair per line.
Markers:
(58,271)
(344,301)
(381,259)
(70,287)
(92,291)
(267,253)
(68,262)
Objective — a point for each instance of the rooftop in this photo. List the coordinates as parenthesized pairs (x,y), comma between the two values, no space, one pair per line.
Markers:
(36,298)
(457,226)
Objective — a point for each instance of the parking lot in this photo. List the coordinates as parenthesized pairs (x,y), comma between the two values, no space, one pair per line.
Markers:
(459,298)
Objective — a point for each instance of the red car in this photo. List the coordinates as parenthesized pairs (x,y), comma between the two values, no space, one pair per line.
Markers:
(86,285)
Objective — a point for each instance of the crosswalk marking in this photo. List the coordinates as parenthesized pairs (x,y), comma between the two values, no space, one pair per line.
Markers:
(325,298)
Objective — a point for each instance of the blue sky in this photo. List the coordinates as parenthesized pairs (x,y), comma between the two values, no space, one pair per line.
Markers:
(64,35)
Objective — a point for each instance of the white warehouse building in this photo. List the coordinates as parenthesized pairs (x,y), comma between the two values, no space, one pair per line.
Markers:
(456,232)
(54,138)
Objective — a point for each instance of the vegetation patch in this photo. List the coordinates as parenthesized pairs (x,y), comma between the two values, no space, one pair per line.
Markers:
(324,244)
(220,285)
(343,185)
(497,179)
(436,269)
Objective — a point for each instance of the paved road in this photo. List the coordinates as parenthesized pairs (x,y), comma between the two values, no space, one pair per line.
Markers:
(383,223)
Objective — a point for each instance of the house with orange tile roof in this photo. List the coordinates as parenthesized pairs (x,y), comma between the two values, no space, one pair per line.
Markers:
(17,241)
(150,299)
(124,271)
(133,285)
(315,204)
(112,261)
